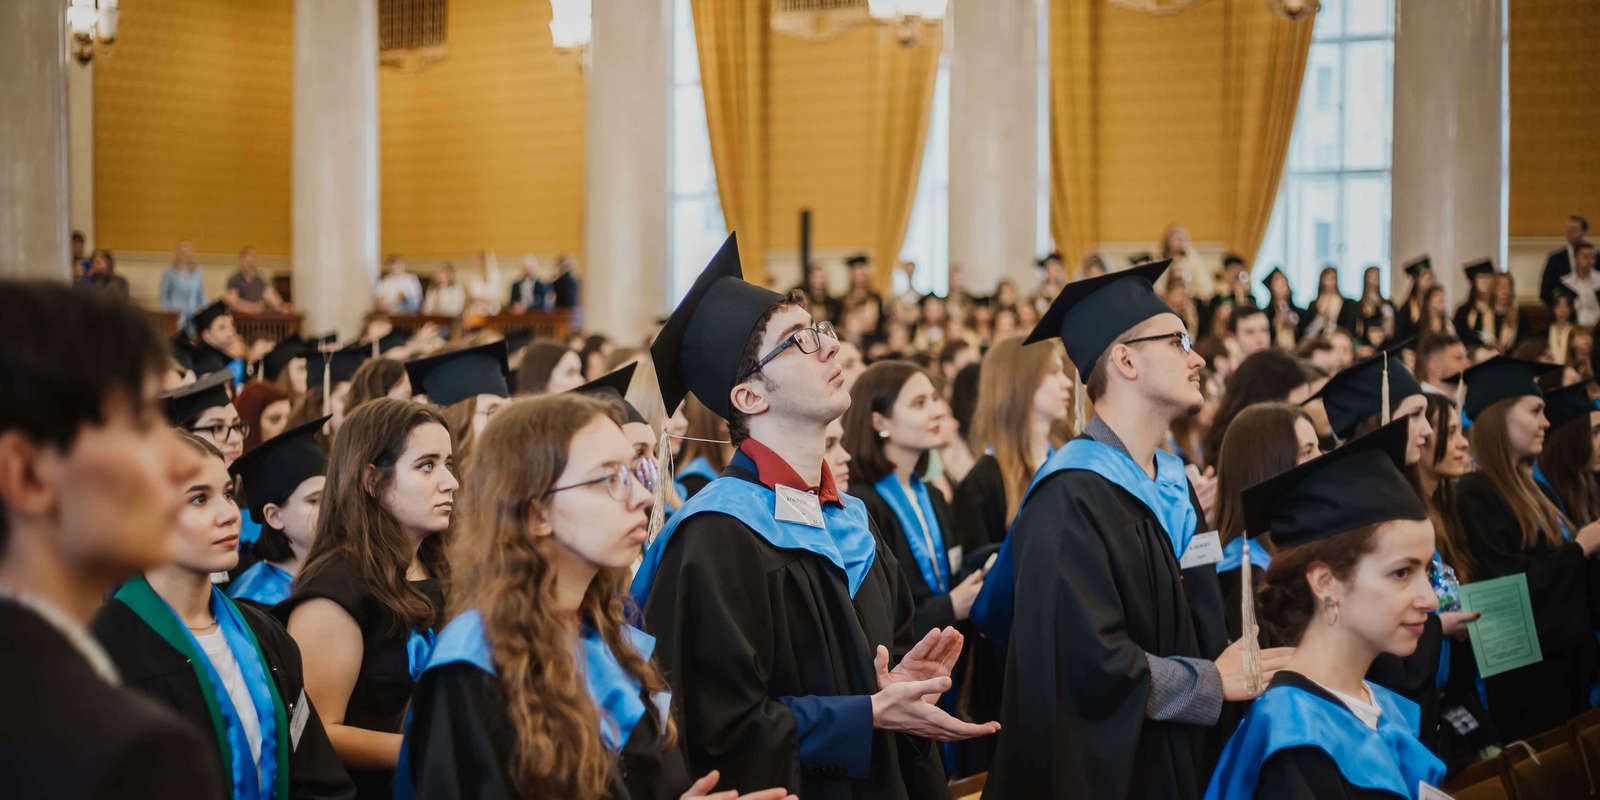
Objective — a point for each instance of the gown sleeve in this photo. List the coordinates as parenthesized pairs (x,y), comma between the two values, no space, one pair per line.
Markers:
(1495,541)
(456,748)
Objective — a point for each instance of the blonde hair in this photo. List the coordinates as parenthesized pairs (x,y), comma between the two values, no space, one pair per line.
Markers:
(1007,381)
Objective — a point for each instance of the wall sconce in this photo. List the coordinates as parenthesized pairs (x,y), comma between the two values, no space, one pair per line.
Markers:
(91,23)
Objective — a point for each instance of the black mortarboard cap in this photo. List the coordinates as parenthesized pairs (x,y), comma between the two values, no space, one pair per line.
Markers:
(1479,267)
(325,340)
(1415,266)
(518,339)
(1355,393)
(1361,483)
(855,260)
(1500,378)
(1567,403)
(203,318)
(614,384)
(1090,314)
(1562,290)
(341,364)
(699,348)
(187,402)
(272,470)
(1048,257)
(1266,280)
(291,348)
(449,378)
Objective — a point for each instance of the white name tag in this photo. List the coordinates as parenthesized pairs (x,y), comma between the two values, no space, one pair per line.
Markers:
(1204,548)
(955,559)
(219,577)
(794,505)
(1426,792)
(297,722)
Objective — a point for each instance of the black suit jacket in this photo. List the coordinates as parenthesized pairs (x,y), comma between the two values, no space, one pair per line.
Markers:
(152,666)
(67,734)
(527,294)
(1556,267)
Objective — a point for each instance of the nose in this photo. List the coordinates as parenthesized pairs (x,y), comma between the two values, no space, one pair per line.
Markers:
(228,514)
(830,347)
(447,480)
(1196,361)
(638,496)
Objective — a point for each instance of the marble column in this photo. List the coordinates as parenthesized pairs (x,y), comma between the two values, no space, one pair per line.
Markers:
(1448,138)
(993,140)
(335,178)
(627,190)
(33,139)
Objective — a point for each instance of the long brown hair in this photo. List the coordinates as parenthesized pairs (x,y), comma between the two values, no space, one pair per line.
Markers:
(1539,519)
(458,421)
(876,391)
(509,576)
(353,527)
(1568,450)
(705,436)
(1259,444)
(1007,381)
(539,359)
(1448,535)
(372,380)
(1286,601)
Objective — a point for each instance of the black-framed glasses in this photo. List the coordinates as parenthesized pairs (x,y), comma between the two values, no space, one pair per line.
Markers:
(220,432)
(619,479)
(1185,343)
(807,340)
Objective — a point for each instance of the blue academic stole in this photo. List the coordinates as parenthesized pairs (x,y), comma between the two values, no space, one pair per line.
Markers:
(1233,555)
(1166,496)
(700,467)
(934,566)
(262,583)
(1389,759)
(615,693)
(846,541)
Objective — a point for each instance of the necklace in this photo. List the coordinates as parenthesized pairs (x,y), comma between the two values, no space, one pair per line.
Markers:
(202,628)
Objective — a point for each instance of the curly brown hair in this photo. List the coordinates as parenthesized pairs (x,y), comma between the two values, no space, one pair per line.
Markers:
(509,576)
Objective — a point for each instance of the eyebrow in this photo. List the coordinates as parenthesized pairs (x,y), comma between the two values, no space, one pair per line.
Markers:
(199,487)
(791,330)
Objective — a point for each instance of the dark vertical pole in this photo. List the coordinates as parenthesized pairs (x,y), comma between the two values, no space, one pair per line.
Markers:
(805,243)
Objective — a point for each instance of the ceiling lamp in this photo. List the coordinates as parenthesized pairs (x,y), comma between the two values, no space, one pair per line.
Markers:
(91,23)
(911,17)
(571,28)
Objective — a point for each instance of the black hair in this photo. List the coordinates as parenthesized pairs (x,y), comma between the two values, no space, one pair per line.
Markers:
(1242,311)
(1583,222)
(738,423)
(67,354)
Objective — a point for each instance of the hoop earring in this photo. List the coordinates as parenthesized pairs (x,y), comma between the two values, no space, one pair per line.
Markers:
(1330,610)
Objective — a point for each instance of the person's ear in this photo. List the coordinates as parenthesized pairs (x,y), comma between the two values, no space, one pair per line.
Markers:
(538,521)
(1322,581)
(369,480)
(880,424)
(272,516)
(29,476)
(1121,357)
(749,398)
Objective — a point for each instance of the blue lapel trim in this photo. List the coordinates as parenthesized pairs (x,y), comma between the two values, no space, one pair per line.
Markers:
(262,583)
(935,567)
(1233,555)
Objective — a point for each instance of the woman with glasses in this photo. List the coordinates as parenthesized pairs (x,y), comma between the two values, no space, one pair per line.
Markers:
(205,409)
(230,670)
(366,604)
(469,385)
(538,686)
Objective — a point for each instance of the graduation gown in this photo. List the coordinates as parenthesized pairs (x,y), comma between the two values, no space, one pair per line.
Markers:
(770,657)
(1540,696)
(1097,587)
(67,734)
(694,476)
(152,666)
(933,607)
(383,686)
(979,511)
(460,740)
(1416,677)
(1300,741)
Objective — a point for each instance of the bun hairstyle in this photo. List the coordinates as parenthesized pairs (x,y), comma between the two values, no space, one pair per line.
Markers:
(1286,601)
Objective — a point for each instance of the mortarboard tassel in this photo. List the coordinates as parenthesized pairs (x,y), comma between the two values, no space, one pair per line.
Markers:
(1247,616)
(658,508)
(1079,399)
(1383,402)
(327,382)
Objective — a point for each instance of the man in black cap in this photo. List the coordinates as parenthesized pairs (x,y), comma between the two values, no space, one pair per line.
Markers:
(1110,688)
(774,605)
(214,340)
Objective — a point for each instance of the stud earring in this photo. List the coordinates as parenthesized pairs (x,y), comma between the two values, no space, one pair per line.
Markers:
(883,434)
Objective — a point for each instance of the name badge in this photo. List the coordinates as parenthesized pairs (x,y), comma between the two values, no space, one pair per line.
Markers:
(794,505)
(219,577)
(955,554)
(297,722)
(1426,792)
(1204,548)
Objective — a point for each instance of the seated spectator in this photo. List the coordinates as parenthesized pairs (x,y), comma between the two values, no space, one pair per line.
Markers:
(484,287)
(247,292)
(525,292)
(102,274)
(399,292)
(182,286)
(563,288)
(445,297)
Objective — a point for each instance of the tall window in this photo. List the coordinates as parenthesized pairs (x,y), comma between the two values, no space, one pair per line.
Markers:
(1333,202)
(697,227)
(927,241)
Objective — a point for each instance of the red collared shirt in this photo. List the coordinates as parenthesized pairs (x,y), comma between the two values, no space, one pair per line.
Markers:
(772,471)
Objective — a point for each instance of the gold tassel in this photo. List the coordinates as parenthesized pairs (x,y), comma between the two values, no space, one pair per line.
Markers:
(658,508)
(1383,403)
(1079,400)
(327,383)
(1247,615)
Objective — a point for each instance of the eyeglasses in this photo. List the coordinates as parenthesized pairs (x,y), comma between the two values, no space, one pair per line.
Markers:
(808,340)
(222,433)
(619,479)
(1184,342)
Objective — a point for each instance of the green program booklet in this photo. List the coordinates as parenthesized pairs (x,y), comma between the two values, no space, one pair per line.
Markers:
(1504,638)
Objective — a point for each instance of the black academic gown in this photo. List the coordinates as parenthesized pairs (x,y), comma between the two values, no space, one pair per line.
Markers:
(740,623)
(1097,587)
(1540,696)
(152,666)
(1308,773)
(66,734)
(979,510)
(461,741)
(383,686)
(1470,320)
(933,607)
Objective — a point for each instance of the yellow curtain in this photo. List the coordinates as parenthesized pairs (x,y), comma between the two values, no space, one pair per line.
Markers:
(902,97)
(1266,62)
(733,39)
(1149,124)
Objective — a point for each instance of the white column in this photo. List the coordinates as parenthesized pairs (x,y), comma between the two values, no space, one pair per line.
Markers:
(335,179)
(1448,154)
(33,139)
(993,140)
(627,252)
(80,149)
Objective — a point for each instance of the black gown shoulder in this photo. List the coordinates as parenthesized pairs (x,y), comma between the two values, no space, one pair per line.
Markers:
(979,511)
(67,734)
(692,484)
(153,667)
(461,741)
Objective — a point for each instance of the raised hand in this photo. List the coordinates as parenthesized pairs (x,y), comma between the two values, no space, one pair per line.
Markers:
(935,656)
(702,788)
(1231,666)
(904,707)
